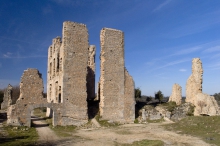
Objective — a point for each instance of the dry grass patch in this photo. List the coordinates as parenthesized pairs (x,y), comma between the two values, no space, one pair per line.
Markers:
(207,128)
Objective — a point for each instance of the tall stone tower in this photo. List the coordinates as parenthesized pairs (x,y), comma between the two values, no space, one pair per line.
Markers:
(116,85)
(68,62)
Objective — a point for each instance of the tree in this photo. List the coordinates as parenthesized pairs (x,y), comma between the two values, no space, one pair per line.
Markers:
(159,96)
(137,93)
(15,93)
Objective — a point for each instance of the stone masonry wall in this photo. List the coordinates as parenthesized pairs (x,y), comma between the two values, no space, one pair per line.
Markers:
(75,47)
(7,101)
(31,96)
(176,95)
(129,107)
(91,73)
(114,99)
(194,82)
(112,74)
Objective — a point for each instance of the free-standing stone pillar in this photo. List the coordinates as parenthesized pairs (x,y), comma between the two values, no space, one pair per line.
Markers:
(114,100)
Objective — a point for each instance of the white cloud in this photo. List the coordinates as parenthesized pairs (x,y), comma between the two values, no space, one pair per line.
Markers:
(182,70)
(187,51)
(7,55)
(212,49)
(173,63)
(162,5)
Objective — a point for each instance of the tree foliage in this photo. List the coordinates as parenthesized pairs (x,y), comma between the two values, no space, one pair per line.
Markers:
(159,96)
(1,95)
(137,93)
(15,93)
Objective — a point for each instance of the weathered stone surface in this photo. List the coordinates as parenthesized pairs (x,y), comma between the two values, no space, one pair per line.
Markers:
(180,112)
(129,101)
(71,73)
(7,99)
(91,73)
(206,105)
(115,84)
(31,97)
(194,82)
(176,95)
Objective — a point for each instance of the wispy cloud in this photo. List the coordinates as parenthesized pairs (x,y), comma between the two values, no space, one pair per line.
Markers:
(172,63)
(182,70)
(69,2)
(7,55)
(187,51)
(216,65)
(162,5)
(212,49)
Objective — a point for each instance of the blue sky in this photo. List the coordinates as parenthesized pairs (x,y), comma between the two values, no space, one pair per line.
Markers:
(161,37)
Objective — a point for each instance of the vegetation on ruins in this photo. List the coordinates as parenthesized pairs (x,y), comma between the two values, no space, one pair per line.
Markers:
(217,97)
(170,106)
(137,92)
(159,96)
(15,93)
(207,128)
(1,95)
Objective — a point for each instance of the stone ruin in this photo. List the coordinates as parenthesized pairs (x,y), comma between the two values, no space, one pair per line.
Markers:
(71,81)
(116,91)
(194,82)
(31,96)
(204,104)
(7,99)
(176,95)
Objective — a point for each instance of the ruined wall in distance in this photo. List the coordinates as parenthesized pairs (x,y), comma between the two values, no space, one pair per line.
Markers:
(176,95)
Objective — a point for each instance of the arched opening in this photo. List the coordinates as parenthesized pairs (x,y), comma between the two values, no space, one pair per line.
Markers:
(39,118)
(37,115)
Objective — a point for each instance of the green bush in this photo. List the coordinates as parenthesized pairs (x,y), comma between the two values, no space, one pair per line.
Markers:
(191,111)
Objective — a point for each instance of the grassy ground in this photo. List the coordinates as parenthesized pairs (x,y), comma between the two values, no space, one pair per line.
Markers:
(40,112)
(19,136)
(143,143)
(207,128)
(63,131)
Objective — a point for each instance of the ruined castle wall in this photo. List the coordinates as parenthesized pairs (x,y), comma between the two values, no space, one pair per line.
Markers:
(31,92)
(54,72)
(129,97)
(176,95)
(7,99)
(112,78)
(91,73)
(75,61)
(194,82)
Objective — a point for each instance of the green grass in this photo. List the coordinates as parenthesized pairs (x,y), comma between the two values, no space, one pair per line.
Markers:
(207,128)
(63,131)
(144,142)
(19,136)
(170,106)
(40,112)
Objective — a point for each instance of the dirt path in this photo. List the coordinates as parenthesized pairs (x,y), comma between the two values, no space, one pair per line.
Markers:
(111,136)
(134,132)
(44,132)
